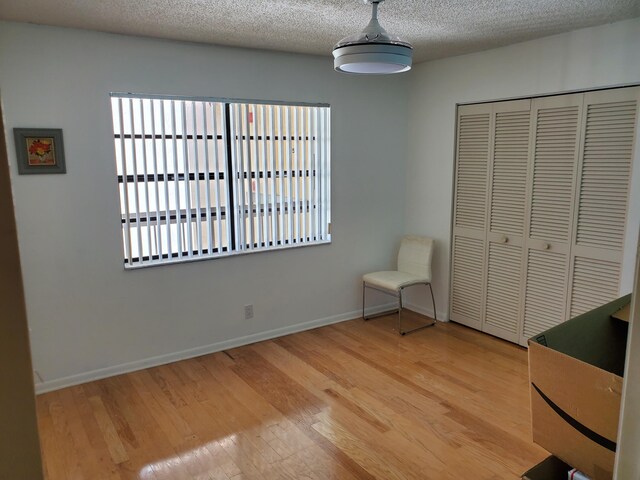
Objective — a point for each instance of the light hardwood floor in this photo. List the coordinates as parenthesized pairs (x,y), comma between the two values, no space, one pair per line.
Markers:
(348,401)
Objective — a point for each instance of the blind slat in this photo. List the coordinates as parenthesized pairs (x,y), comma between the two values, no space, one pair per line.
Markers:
(176,187)
(273,168)
(290,186)
(134,158)
(125,189)
(158,233)
(197,173)
(207,185)
(145,163)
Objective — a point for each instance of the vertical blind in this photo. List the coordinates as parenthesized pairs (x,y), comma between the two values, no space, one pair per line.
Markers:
(201,178)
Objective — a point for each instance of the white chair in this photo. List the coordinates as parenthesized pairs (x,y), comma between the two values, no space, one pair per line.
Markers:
(414,268)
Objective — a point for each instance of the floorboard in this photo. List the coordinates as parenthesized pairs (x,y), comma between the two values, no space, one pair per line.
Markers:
(349,401)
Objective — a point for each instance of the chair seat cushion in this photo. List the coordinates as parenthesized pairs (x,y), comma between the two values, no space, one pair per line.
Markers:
(393,280)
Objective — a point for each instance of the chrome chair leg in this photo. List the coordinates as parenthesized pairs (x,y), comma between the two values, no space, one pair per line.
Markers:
(400,312)
(364,286)
(431,324)
(435,317)
(379,314)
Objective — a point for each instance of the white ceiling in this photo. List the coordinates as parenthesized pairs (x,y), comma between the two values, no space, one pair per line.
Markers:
(437,28)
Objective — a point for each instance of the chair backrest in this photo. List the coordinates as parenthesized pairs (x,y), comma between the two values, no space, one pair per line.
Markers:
(415,255)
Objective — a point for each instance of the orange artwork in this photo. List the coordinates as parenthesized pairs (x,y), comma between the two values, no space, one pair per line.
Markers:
(41,151)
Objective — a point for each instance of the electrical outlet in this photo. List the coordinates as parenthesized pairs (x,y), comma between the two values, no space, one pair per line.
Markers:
(248,312)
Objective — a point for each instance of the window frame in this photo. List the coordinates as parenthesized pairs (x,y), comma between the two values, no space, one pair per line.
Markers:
(231,176)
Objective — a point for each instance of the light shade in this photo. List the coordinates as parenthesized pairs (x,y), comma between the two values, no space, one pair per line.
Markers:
(372,59)
(373,51)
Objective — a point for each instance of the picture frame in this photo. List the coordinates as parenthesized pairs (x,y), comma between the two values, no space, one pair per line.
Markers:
(39,150)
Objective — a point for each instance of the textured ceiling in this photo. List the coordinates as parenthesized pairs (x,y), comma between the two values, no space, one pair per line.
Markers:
(436,28)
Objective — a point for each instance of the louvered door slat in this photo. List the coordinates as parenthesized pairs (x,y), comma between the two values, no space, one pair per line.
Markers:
(604,226)
(554,160)
(503,287)
(545,300)
(555,143)
(467,280)
(470,203)
(610,120)
(471,175)
(595,282)
(509,171)
(507,203)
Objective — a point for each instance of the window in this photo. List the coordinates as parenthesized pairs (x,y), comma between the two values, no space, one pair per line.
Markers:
(202,178)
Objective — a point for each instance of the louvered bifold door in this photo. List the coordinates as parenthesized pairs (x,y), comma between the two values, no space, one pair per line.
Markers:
(552,172)
(610,119)
(507,203)
(470,212)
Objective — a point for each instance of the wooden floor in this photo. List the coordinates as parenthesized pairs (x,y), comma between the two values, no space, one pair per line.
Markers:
(349,401)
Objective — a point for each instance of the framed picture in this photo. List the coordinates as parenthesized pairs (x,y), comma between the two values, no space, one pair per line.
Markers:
(39,150)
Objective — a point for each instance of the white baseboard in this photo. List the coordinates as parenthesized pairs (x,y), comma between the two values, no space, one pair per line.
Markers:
(428,311)
(56,384)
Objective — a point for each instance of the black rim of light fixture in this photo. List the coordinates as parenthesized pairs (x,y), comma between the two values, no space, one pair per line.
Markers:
(373,51)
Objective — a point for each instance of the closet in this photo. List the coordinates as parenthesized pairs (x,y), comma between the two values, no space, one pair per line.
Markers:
(540,206)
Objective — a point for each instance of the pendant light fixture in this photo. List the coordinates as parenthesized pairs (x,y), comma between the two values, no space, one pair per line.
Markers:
(373,51)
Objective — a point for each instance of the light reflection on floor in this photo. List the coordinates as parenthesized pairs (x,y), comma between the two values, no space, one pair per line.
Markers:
(190,460)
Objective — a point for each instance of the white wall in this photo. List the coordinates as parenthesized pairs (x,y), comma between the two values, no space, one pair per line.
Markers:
(594,57)
(88,316)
